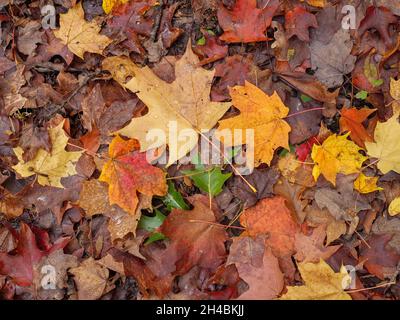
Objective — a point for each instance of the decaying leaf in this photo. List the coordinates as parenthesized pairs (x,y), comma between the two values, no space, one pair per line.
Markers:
(258,267)
(90,278)
(195,240)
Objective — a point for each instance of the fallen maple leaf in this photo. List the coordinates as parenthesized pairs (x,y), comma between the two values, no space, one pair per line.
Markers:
(271,217)
(303,150)
(341,201)
(245,22)
(184,103)
(351,120)
(257,266)
(320,283)
(386,147)
(378,18)
(79,35)
(128,172)
(20,266)
(333,60)
(195,240)
(336,155)
(51,166)
(311,248)
(297,22)
(262,113)
(379,258)
(364,184)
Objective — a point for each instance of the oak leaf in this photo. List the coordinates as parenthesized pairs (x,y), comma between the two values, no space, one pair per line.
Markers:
(386,147)
(320,283)
(259,112)
(351,120)
(128,172)
(79,35)
(185,103)
(336,155)
(51,166)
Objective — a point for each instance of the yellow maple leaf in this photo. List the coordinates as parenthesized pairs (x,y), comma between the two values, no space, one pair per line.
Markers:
(386,147)
(51,166)
(108,5)
(320,283)
(364,184)
(336,155)
(80,35)
(394,207)
(262,113)
(182,107)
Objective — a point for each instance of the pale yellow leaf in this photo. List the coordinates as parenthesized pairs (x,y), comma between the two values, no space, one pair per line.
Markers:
(182,107)
(386,147)
(320,283)
(80,35)
(51,166)
(394,207)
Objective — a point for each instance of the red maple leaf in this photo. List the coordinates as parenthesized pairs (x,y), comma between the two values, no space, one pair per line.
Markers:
(297,22)
(19,265)
(245,22)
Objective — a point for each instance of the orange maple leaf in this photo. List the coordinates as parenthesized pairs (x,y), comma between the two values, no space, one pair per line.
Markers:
(259,112)
(351,120)
(271,217)
(128,172)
